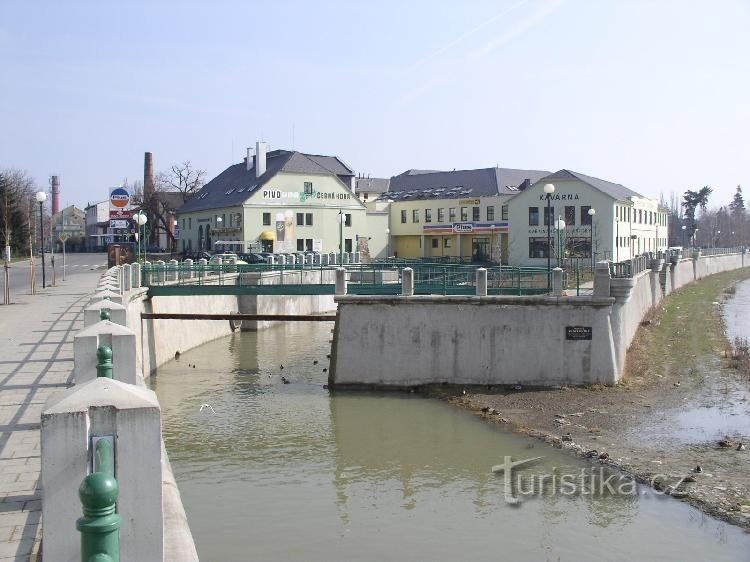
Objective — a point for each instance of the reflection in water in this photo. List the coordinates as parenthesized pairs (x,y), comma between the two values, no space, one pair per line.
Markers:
(288,472)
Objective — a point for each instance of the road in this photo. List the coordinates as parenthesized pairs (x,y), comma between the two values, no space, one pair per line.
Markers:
(75,264)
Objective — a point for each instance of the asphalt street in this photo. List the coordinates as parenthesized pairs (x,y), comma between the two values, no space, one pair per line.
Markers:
(75,264)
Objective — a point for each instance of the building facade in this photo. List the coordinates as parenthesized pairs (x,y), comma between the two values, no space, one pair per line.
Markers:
(69,225)
(623,223)
(279,201)
(461,215)
(97,225)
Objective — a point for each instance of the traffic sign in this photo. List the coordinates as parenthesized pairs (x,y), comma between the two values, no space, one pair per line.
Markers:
(119,198)
(63,237)
(119,224)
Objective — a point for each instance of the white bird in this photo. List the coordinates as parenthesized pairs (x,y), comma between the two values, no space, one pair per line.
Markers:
(207,406)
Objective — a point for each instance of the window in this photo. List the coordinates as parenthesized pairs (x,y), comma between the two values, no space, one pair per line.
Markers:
(428,215)
(570,215)
(266,219)
(224,219)
(504,213)
(190,223)
(348,245)
(300,244)
(308,188)
(548,216)
(403,216)
(490,213)
(435,242)
(452,214)
(308,219)
(415,215)
(300,219)
(364,196)
(538,247)
(308,245)
(441,214)
(464,213)
(533,216)
(585,217)
(183,223)
(446,242)
(348,220)
(475,214)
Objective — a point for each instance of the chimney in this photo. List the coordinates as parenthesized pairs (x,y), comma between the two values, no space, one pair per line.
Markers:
(353,184)
(148,174)
(249,159)
(260,158)
(55,195)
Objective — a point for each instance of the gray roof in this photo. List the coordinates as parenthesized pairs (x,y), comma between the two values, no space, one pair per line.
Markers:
(237,184)
(614,190)
(417,184)
(372,185)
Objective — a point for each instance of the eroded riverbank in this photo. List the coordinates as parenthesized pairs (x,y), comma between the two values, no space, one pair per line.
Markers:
(678,400)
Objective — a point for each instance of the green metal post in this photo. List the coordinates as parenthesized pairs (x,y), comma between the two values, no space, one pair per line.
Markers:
(104,314)
(100,525)
(104,362)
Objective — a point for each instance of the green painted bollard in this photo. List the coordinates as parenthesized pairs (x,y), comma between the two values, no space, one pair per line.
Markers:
(100,525)
(104,362)
(104,314)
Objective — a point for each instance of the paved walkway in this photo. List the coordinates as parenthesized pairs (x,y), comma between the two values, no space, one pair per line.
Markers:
(36,361)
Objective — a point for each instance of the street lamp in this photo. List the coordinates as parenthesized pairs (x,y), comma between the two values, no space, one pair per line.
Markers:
(717,237)
(684,227)
(341,236)
(549,189)
(387,242)
(559,226)
(695,237)
(592,212)
(492,240)
(617,242)
(41,197)
(140,220)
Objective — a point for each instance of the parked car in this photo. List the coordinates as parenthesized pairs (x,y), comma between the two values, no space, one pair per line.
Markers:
(215,259)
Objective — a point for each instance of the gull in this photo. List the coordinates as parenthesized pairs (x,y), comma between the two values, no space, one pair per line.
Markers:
(207,406)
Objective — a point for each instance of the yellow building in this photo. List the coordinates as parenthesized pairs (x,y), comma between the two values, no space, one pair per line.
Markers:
(460,215)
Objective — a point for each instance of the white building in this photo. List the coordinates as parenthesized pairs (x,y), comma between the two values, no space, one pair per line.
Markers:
(623,224)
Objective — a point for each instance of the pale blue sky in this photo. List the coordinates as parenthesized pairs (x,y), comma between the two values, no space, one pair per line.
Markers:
(651,94)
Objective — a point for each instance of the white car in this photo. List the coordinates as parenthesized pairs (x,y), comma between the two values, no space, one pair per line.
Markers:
(224,257)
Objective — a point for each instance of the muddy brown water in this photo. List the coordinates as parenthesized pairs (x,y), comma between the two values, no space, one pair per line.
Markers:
(273,471)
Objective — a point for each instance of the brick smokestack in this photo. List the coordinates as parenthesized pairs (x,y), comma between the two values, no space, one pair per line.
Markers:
(55,195)
(148,174)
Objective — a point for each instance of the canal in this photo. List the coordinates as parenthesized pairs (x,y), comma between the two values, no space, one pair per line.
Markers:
(274,471)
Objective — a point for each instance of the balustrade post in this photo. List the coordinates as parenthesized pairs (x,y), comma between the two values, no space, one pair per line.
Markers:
(104,357)
(481,282)
(407,281)
(100,525)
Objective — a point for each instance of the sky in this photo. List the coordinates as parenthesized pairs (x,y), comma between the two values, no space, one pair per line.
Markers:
(651,94)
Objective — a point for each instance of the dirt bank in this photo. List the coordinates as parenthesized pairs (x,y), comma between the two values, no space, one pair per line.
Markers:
(678,400)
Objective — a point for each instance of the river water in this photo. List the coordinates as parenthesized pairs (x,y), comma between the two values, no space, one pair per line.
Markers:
(271,471)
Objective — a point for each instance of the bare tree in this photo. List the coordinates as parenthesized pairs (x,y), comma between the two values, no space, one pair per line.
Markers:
(183,178)
(16,190)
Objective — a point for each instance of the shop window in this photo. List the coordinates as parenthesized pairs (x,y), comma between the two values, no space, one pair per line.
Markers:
(435,243)
(538,247)
(446,242)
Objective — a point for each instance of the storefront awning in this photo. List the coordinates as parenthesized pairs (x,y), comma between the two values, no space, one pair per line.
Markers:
(267,235)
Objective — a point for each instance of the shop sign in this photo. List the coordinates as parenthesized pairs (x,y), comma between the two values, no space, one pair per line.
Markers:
(463,227)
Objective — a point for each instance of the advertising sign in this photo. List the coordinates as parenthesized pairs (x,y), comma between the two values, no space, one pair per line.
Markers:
(177,232)
(119,199)
(463,227)
(317,245)
(121,215)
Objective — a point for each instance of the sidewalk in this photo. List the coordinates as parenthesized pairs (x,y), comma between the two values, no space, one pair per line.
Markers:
(36,361)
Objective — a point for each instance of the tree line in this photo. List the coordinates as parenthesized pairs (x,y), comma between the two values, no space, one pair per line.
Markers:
(693,223)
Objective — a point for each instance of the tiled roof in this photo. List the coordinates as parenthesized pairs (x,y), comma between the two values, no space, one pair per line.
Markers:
(417,185)
(612,189)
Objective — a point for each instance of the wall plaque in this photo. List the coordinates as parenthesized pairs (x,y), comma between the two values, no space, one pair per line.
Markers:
(576,333)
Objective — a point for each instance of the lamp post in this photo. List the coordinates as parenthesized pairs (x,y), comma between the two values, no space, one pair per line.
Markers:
(219,220)
(387,242)
(341,236)
(617,239)
(684,227)
(174,239)
(592,212)
(140,220)
(492,240)
(41,197)
(716,241)
(559,226)
(695,238)
(549,189)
